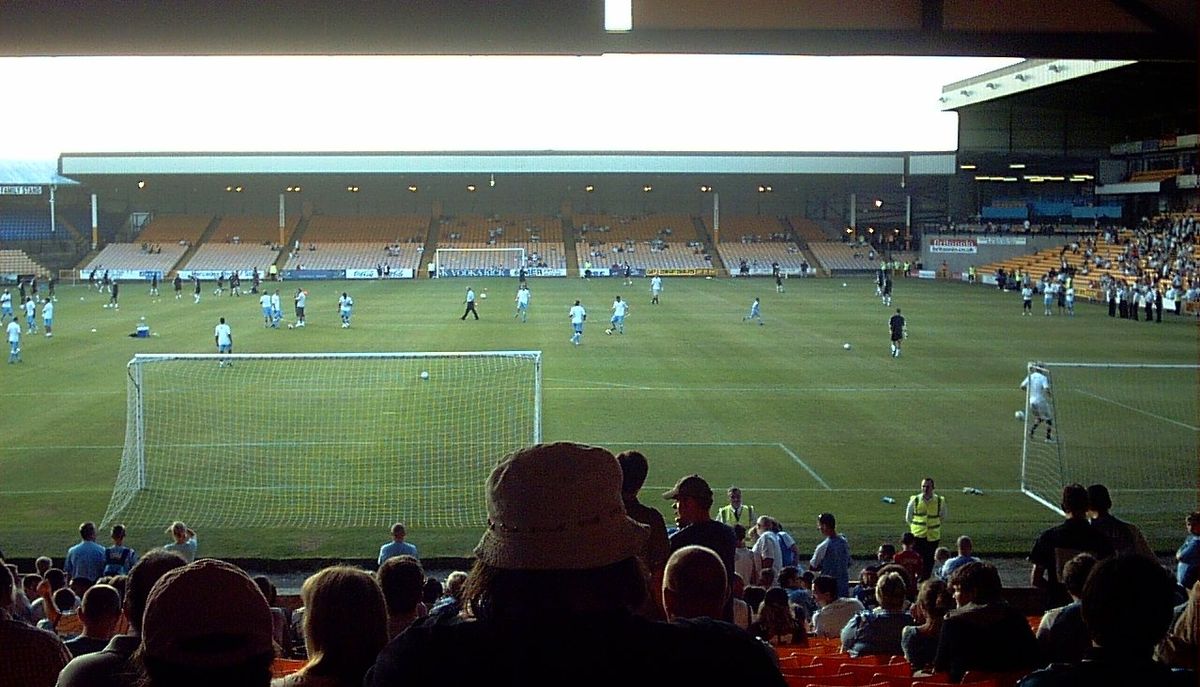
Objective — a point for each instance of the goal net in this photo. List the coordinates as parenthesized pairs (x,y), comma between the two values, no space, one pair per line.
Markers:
(478,262)
(1131,427)
(321,440)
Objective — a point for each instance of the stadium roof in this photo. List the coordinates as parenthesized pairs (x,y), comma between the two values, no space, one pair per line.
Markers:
(32,172)
(1119,29)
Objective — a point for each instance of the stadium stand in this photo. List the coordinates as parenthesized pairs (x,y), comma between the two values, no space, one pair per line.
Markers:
(652,242)
(250,229)
(751,244)
(386,229)
(541,237)
(844,257)
(175,229)
(365,256)
(806,229)
(135,257)
(17,262)
(227,257)
(27,225)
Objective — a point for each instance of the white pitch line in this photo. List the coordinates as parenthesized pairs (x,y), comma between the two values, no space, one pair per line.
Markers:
(1147,413)
(788,389)
(804,465)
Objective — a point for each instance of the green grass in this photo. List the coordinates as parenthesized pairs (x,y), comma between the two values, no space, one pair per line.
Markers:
(781,410)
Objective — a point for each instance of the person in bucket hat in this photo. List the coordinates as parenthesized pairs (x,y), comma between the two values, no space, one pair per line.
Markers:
(553,592)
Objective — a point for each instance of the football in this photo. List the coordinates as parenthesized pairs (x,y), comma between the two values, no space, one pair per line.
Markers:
(846,346)
(291,326)
(1020,415)
(608,331)
(424,374)
(483,295)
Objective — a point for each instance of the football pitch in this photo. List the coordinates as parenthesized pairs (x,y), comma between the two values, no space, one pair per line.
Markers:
(783,410)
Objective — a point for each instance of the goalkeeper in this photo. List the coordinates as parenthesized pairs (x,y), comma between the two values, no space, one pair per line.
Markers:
(1038,385)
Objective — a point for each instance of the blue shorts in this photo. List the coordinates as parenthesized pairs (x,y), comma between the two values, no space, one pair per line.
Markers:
(14,346)
(618,320)
(6,310)
(578,327)
(48,323)
(267,311)
(224,348)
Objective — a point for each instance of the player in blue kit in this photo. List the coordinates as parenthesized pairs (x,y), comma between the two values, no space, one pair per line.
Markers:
(619,309)
(755,313)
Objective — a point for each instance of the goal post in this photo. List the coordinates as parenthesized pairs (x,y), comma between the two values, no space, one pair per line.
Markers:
(321,439)
(1129,426)
(478,262)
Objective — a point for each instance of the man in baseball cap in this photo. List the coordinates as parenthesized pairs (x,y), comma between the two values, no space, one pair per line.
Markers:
(693,506)
(554,589)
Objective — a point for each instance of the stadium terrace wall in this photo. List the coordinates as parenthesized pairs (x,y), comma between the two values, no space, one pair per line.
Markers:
(960,251)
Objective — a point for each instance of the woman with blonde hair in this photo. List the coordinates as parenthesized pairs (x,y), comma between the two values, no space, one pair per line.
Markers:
(345,626)
(877,631)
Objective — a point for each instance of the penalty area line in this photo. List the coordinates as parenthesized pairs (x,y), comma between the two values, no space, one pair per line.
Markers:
(1147,413)
(804,465)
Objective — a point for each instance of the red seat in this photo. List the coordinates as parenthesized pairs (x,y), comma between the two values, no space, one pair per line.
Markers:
(868,670)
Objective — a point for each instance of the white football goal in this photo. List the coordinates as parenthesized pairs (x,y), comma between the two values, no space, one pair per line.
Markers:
(478,262)
(323,439)
(1129,426)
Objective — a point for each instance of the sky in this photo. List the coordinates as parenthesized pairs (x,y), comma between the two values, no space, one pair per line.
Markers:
(639,103)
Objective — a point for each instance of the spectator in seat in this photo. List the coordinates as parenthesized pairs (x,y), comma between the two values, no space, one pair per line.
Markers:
(111,666)
(450,603)
(694,584)
(1057,545)
(878,631)
(553,594)
(100,611)
(431,591)
(401,578)
(1061,633)
(1127,606)
(909,557)
(777,623)
(206,624)
(1125,537)
(984,632)
(800,597)
(280,620)
(745,562)
(693,504)
(62,615)
(184,543)
(1181,647)
(864,591)
(919,642)
(345,626)
(833,612)
(966,554)
(28,657)
(1187,569)
(634,469)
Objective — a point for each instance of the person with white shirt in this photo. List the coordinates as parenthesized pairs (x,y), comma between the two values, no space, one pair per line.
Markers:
(264,302)
(300,300)
(48,317)
(619,310)
(224,337)
(655,289)
(470,303)
(1038,385)
(768,548)
(14,341)
(345,308)
(578,316)
(30,309)
(522,302)
(832,612)
(276,310)
(6,306)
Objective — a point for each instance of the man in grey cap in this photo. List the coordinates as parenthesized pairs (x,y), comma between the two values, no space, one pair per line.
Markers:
(693,504)
(553,593)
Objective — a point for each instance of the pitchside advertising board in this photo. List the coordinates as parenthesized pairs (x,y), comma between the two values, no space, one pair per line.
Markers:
(500,272)
(971,245)
(395,273)
(124,275)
